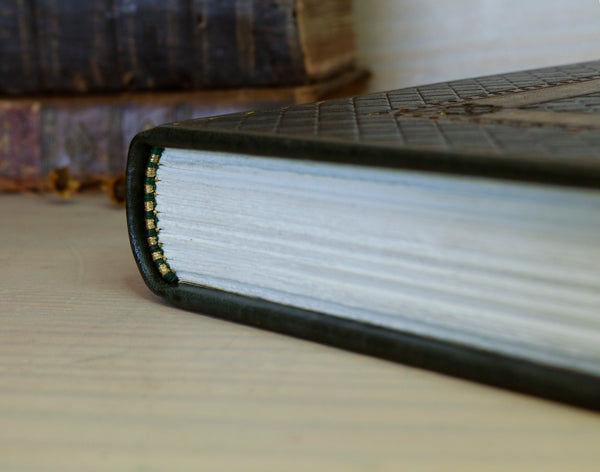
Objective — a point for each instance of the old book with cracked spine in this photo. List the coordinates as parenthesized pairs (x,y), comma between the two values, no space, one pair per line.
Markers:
(90,134)
(63,46)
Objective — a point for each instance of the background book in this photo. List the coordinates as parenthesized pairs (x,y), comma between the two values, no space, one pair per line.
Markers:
(77,46)
(90,134)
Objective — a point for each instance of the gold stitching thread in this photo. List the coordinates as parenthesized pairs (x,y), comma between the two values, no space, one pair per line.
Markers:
(151,218)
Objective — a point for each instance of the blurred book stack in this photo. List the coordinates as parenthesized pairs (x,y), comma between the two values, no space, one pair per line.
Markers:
(79,79)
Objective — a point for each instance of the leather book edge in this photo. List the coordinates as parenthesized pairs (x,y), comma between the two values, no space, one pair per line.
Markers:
(520,375)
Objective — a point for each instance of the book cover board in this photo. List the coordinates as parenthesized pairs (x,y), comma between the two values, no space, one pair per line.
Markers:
(536,126)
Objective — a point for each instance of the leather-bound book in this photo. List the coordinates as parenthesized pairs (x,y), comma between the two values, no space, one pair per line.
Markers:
(98,46)
(89,134)
(453,226)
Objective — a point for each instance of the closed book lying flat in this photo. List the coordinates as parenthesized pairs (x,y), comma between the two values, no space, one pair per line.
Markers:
(453,226)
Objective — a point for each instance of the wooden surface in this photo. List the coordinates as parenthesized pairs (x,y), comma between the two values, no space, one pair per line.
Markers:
(99,374)
(412,42)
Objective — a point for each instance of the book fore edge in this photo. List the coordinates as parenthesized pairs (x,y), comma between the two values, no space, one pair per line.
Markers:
(151,218)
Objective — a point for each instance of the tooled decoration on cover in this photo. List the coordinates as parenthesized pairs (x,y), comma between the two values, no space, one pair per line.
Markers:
(151,218)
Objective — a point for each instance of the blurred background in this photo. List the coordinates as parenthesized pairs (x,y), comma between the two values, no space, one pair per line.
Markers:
(412,42)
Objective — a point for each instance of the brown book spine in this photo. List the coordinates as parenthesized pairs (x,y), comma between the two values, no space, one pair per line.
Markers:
(65,46)
(76,45)
(90,135)
(20,151)
(19,61)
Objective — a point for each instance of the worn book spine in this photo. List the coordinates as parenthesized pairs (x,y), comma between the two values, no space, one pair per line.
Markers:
(19,64)
(89,137)
(51,46)
(90,134)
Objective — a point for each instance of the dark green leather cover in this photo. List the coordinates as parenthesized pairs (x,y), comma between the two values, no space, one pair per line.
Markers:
(540,126)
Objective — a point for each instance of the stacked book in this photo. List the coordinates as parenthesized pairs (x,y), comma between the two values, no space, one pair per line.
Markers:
(79,79)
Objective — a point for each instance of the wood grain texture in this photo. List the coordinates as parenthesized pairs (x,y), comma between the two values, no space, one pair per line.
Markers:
(412,42)
(99,374)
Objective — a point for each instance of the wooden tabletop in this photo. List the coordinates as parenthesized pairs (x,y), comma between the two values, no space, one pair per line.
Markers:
(99,374)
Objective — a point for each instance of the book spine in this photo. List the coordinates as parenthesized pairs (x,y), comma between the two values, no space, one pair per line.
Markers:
(19,64)
(90,138)
(20,150)
(76,46)
(206,43)
(277,51)
(154,40)
(52,46)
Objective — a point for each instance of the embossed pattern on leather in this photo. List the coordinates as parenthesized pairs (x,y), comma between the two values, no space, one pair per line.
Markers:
(514,113)
(589,103)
